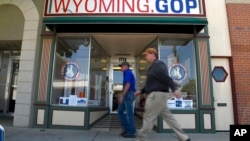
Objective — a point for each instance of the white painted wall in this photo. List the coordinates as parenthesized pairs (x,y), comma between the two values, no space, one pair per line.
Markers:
(218,28)
(220,46)
(223,94)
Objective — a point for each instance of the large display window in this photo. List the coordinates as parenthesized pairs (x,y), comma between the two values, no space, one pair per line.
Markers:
(99,61)
(141,73)
(178,53)
(70,82)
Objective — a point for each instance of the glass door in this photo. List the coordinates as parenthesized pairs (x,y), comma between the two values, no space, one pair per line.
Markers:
(115,86)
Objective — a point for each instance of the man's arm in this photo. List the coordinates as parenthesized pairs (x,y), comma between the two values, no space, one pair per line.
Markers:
(161,70)
(126,88)
(124,92)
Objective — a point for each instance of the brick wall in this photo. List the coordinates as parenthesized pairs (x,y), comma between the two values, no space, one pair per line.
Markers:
(239,28)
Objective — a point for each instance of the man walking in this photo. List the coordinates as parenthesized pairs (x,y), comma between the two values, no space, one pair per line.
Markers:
(156,87)
(126,100)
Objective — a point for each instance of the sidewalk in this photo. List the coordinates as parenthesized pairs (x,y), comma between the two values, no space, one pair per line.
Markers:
(96,134)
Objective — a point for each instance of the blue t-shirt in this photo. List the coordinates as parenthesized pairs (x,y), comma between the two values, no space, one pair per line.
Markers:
(128,77)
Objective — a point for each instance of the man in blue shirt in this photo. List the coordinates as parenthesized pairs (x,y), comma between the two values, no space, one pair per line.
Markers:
(126,100)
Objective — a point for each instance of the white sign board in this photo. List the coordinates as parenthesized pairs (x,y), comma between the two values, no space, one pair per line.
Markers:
(180,104)
(124,7)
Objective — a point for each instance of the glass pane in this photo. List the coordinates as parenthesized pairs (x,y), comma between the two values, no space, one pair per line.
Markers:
(141,74)
(71,69)
(117,86)
(219,74)
(117,76)
(98,73)
(179,56)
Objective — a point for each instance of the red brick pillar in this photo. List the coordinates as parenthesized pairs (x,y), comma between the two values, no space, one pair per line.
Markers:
(239,28)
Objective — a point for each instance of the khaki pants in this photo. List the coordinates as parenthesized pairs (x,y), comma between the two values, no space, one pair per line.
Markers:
(154,106)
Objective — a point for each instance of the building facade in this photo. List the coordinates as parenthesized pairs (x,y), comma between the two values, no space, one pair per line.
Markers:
(238,21)
(59,60)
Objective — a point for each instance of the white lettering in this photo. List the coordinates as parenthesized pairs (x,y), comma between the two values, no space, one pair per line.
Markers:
(239,132)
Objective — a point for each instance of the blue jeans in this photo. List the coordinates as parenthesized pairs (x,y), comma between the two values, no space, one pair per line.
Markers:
(127,119)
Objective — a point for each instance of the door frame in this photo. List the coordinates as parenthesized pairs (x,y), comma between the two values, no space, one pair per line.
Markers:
(114,61)
(111,86)
(8,83)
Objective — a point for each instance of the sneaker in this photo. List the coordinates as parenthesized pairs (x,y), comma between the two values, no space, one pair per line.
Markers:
(128,136)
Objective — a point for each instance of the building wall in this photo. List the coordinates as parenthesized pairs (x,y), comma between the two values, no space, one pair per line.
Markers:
(12,22)
(220,52)
(27,70)
(239,27)
(218,28)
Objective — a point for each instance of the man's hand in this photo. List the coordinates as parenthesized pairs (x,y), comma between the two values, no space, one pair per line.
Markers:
(120,99)
(177,94)
(137,93)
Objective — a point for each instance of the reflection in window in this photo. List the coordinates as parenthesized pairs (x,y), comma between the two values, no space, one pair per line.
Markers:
(141,73)
(179,56)
(117,78)
(98,71)
(70,74)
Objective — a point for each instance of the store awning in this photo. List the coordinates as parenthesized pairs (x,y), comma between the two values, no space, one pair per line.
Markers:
(126,24)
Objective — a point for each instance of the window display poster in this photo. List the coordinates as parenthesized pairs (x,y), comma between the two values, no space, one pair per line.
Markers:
(64,100)
(178,72)
(70,71)
(73,100)
(82,102)
(180,103)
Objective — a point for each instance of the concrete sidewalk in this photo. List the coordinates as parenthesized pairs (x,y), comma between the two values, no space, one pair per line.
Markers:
(96,134)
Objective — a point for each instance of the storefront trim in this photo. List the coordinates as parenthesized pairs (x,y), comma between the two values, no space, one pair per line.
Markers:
(125,24)
(193,113)
(85,123)
(207,120)
(126,20)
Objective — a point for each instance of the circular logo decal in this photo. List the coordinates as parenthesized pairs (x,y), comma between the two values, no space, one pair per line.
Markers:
(177,72)
(70,71)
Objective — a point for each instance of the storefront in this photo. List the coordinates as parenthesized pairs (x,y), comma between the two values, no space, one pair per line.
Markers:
(82,44)
(59,69)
